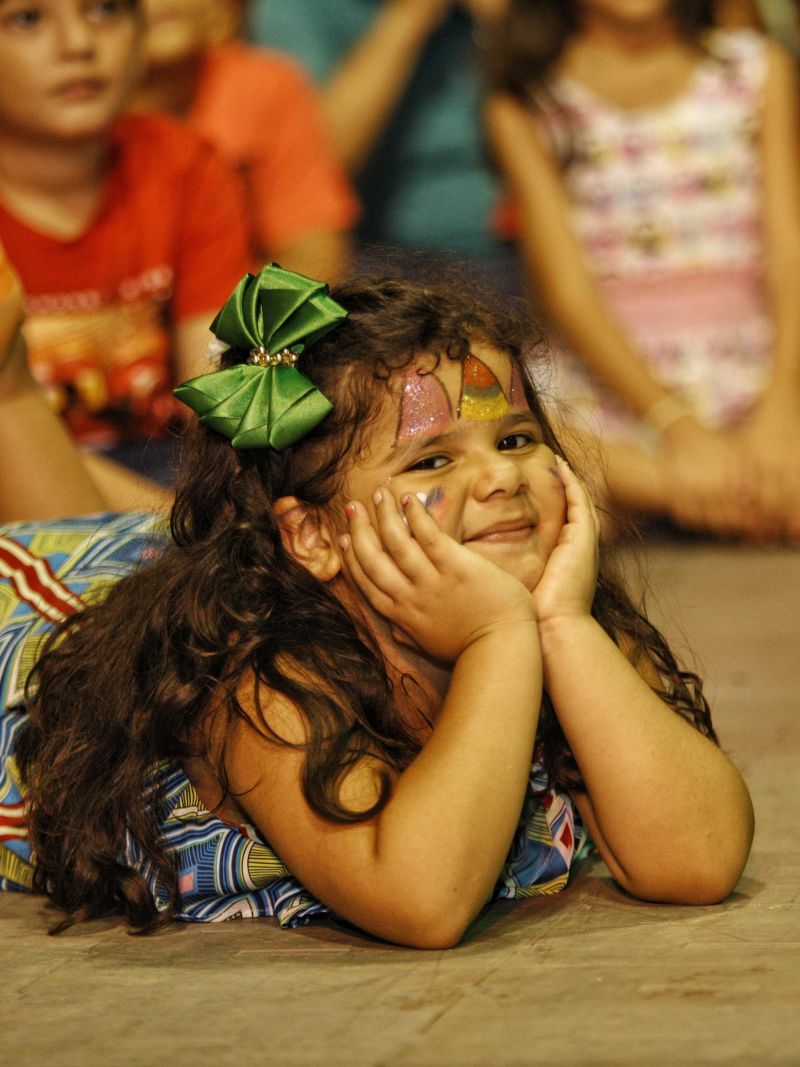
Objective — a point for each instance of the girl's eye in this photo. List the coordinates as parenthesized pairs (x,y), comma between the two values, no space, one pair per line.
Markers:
(23,18)
(430,463)
(107,9)
(517,440)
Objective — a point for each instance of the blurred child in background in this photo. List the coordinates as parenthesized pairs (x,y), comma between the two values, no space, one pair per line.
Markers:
(126,231)
(401,92)
(653,164)
(262,114)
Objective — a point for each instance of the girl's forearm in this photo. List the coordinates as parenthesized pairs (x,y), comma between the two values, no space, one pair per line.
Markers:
(421,870)
(362,93)
(672,815)
(457,806)
(123,489)
(43,476)
(781,211)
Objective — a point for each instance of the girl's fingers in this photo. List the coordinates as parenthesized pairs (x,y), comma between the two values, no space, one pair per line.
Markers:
(365,556)
(428,538)
(380,601)
(580,506)
(383,556)
(409,534)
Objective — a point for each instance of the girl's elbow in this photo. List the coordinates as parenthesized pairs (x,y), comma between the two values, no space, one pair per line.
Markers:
(431,921)
(696,888)
(701,879)
(707,869)
(436,928)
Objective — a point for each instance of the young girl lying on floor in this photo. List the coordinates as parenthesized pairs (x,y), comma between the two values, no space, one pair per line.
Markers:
(380,669)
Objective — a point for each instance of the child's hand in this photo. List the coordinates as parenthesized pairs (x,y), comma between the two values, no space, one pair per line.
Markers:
(770,440)
(437,592)
(11,307)
(15,376)
(704,479)
(568,584)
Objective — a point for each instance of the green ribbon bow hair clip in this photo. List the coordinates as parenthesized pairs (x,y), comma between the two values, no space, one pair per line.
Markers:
(266,402)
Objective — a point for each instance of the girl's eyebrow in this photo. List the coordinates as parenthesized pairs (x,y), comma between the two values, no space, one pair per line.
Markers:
(400,451)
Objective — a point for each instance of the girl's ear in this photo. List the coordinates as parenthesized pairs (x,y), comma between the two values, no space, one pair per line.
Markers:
(307,536)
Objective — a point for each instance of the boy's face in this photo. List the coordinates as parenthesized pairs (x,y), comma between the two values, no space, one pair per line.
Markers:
(464,440)
(67,67)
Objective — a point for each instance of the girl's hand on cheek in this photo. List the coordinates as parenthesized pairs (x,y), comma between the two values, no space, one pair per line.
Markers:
(568,583)
(434,590)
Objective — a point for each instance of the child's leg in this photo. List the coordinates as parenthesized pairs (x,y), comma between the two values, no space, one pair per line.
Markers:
(43,476)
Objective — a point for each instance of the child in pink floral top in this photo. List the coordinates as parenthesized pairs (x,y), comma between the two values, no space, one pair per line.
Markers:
(656,194)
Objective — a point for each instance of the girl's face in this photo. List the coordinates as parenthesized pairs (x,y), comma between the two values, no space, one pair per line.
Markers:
(67,67)
(463,439)
(178,29)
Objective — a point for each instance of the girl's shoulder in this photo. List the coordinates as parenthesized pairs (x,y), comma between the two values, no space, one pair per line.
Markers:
(741,53)
(731,67)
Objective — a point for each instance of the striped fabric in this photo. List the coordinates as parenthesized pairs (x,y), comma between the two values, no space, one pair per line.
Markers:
(225,870)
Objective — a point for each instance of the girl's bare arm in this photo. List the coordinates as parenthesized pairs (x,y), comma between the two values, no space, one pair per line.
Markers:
(667,809)
(699,470)
(420,871)
(772,434)
(360,96)
(42,475)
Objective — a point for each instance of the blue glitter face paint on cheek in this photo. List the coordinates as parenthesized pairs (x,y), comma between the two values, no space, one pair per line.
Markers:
(435,498)
(434,503)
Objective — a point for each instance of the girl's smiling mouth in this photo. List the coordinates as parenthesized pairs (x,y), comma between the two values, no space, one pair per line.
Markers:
(512,531)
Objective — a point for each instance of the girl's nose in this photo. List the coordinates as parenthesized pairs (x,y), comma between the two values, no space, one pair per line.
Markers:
(74,34)
(498,473)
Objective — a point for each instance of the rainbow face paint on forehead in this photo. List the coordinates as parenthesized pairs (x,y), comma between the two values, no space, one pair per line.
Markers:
(426,408)
(482,396)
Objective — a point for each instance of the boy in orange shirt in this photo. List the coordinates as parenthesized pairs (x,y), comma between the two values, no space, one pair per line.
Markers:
(261,111)
(127,232)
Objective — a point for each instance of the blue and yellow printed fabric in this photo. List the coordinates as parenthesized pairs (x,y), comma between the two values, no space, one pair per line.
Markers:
(225,871)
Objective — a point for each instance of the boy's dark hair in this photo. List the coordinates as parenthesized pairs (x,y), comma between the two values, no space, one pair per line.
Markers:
(531,36)
(124,685)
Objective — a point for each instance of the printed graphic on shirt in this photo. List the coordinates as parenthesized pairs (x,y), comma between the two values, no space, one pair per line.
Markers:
(104,361)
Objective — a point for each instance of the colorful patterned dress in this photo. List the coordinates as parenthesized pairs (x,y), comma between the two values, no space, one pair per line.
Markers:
(666,203)
(225,870)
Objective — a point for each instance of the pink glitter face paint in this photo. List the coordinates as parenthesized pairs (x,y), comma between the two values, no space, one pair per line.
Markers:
(482,396)
(424,406)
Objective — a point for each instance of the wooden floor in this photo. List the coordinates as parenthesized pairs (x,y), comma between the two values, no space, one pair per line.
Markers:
(588,977)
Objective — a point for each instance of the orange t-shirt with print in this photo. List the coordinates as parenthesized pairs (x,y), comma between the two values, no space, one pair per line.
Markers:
(167,242)
(263,114)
